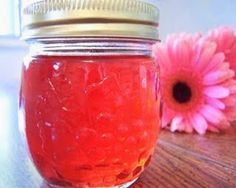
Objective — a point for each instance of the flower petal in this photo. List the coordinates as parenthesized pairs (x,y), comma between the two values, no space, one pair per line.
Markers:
(212,114)
(213,129)
(224,37)
(182,52)
(231,85)
(199,123)
(230,101)
(231,114)
(175,123)
(216,92)
(188,127)
(215,103)
(206,55)
(167,116)
(216,60)
(160,54)
(217,77)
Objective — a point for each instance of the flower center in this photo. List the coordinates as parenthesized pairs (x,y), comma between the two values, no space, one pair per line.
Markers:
(181,92)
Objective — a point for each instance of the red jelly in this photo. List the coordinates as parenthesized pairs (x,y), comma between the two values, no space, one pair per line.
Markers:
(90,120)
(89,95)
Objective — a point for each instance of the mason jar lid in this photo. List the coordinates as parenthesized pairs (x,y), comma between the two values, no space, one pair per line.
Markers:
(89,18)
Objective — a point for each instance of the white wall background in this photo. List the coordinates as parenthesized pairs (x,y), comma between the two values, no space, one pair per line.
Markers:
(176,16)
(195,15)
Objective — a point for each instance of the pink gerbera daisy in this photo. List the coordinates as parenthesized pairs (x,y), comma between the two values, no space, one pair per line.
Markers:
(196,84)
(225,38)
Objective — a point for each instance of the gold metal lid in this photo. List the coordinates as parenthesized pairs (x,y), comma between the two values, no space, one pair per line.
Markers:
(89,18)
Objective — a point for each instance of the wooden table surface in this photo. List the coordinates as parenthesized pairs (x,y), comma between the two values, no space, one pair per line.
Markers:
(180,160)
(183,160)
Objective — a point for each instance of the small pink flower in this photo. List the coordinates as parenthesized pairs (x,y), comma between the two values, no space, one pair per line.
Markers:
(197,85)
(225,38)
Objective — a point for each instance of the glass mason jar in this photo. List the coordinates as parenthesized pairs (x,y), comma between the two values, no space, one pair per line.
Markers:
(89,93)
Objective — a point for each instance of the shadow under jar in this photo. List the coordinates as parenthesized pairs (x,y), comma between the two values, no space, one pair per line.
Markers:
(90,90)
